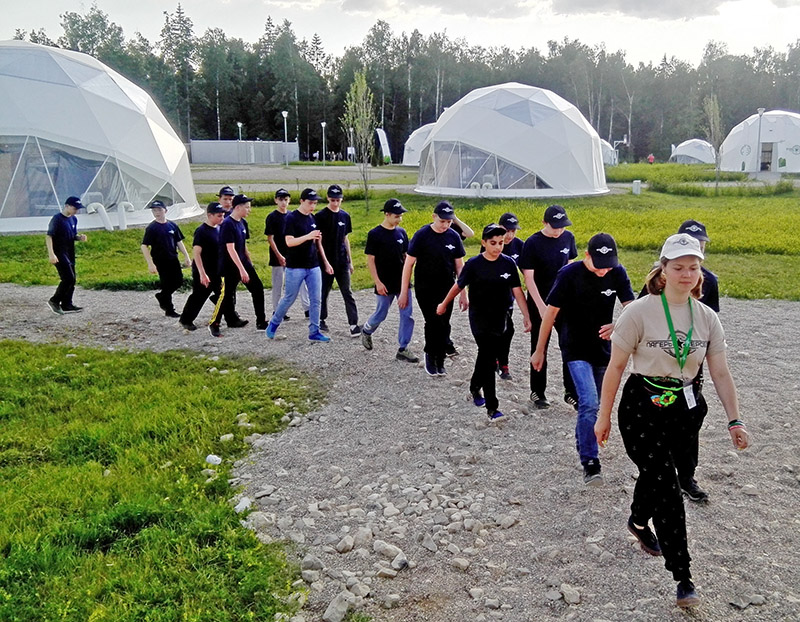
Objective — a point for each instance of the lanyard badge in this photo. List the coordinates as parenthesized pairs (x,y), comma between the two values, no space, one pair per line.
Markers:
(681,354)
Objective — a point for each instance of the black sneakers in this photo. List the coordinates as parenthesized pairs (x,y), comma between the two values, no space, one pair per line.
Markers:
(647,539)
(355,330)
(693,492)
(171,313)
(237,323)
(504,373)
(685,594)
(323,326)
(55,307)
(540,401)
(71,309)
(430,366)
(450,349)
(591,473)
(571,400)
(214,330)
(188,326)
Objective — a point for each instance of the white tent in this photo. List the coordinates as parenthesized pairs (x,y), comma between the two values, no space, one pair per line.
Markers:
(770,142)
(69,125)
(414,144)
(693,151)
(512,140)
(610,155)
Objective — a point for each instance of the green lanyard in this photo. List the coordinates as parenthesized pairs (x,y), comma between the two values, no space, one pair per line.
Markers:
(680,354)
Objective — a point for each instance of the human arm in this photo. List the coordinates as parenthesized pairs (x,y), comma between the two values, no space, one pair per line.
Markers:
(323,258)
(726,390)
(188,259)
(533,291)
(349,256)
(523,308)
(441,308)
(463,302)
(50,252)
(466,231)
(607,329)
(231,248)
(380,288)
(281,259)
(197,253)
(548,320)
(405,286)
(611,381)
(149,259)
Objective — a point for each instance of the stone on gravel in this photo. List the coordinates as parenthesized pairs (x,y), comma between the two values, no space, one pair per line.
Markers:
(385,549)
(460,563)
(338,607)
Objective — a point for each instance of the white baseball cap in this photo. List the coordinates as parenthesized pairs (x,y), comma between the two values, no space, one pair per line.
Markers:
(681,245)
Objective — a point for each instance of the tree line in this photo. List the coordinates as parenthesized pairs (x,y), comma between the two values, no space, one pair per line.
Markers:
(207,83)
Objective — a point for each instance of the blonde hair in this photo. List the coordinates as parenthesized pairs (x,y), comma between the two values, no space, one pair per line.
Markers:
(656,281)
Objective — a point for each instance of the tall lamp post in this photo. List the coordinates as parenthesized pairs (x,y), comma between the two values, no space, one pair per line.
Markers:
(351,151)
(284,114)
(323,124)
(239,125)
(758,144)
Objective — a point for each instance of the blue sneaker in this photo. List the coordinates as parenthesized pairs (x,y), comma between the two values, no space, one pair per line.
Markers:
(270,330)
(494,415)
(477,398)
(318,336)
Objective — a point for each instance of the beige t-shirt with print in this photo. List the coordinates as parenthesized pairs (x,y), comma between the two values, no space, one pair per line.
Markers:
(642,331)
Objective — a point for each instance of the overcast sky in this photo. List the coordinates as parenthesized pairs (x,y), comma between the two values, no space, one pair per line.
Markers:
(645,30)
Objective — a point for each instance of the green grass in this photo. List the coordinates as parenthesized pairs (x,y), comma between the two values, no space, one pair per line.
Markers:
(105,513)
(770,251)
(668,173)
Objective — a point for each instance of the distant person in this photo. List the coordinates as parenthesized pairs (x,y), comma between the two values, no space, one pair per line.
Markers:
(465,232)
(386,249)
(206,279)
(225,195)
(160,245)
(651,158)
(60,240)
(512,247)
(335,226)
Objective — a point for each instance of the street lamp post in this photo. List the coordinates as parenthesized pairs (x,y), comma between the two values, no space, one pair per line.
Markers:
(758,144)
(351,152)
(285,113)
(239,125)
(323,124)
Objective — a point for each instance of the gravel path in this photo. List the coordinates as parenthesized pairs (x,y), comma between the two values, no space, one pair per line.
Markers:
(493,521)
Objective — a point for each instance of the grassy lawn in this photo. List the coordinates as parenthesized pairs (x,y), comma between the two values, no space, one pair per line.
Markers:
(105,511)
(755,256)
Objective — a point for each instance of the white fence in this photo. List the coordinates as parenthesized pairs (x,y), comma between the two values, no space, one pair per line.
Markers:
(243,152)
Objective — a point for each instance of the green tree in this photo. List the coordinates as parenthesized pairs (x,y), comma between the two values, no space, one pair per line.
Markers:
(714,131)
(179,50)
(359,114)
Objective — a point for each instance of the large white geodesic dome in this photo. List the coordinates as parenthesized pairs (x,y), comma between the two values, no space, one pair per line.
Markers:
(512,140)
(414,144)
(69,125)
(770,142)
(693,151)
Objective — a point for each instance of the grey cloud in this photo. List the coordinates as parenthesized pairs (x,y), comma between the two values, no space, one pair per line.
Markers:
(785,4)
(365,6)
(672,9)
(508,9)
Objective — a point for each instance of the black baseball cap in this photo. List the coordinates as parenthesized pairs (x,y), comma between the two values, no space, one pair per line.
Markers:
(226,190)
(335,191)
(509,221)
(695,229)
(393,206)
(309,194)
(281,193)
(492,230)
(556,217)
(74,202)
(156,204)
(215,208)
(241,198)
(603,251)
(444,210)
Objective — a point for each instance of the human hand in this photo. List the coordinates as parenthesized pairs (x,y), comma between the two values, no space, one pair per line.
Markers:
(380,288)
(204,280)
(402,299)
(740,437)
(526,324)
(463,301)
(282,261)
(82,237)
(537,360)
(53,259)
(328,268)
(441,308)
(606,330)
(153,269)
(244,276)
(602,429)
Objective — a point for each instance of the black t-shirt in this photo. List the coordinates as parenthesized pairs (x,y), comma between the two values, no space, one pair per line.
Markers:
(232,231)
(63,230)
(207,238)
(162,238)
(275,226)
(490,284)
(334,227)
(436,254)
(389,247)
(306,254)
(514,249)
(546,256)
(586,302)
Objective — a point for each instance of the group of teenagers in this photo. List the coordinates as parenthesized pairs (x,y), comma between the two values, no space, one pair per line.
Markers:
(668,335)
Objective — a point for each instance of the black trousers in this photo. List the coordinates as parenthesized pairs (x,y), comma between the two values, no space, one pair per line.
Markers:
(504,344)
(539,378)
(226,304)
(170,278)
(342,276)
(686,454)
(437,327)
(652,434)
(66,288)
(483,376)
(199,295)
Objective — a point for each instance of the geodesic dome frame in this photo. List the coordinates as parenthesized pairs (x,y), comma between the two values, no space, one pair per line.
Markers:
(414,144)
(694,151)
(69,125)
(770,143)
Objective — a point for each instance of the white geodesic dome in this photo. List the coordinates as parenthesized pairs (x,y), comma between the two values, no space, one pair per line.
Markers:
(769,143)
(610,155)
(414,144)
(693,151)
(512,140)
(69,125)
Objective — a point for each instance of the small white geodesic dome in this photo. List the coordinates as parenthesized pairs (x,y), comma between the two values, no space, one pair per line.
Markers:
(512,140)
(610,156)
(693,151)
(69,125)
(769,144)
(414,144)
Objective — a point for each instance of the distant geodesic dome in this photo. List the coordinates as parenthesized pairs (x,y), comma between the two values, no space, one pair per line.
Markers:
(69,125)
(610,156)
(694,151)
(512,140)
(414,144)
(771,143)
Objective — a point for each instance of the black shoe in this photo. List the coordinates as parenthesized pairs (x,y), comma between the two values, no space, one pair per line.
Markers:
(286,318)
(55,307)
(238,323)
(430,366)
(214,330)
(685,594)
(592,475)
(647,539)
(450,350)
(159,297)
(306,314)
(571,400)
(71,309)
(262,325)
(504,373)
(540,401)
(693,492)
(323,326)
(172,313)
(188,326)
(440,370)
(355,330)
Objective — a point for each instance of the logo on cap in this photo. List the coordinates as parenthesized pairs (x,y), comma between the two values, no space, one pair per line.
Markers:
(559,215)
(604,250)
(694,228)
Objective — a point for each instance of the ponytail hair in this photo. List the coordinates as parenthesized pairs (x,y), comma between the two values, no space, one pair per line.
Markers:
(656,281)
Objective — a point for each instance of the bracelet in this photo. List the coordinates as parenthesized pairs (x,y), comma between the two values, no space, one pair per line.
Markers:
(736,423)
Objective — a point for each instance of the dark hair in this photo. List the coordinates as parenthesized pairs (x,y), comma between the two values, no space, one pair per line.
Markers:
(656,281)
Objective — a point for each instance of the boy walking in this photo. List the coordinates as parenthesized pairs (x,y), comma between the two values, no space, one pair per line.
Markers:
(274,229)
(160,245)
(512,247)
(386,249)
(60,240)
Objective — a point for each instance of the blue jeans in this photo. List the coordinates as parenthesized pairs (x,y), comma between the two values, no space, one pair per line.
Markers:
(293,279)
(588,381)
(406,329)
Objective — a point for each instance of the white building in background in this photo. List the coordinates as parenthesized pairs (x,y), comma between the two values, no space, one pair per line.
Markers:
(69,125)
(768,142)
(512,140)
(414,144)
(693,151)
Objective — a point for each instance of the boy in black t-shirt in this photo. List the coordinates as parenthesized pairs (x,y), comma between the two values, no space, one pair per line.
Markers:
(386,252)
(274,229)
(160,245)
(60,240)
(583,296)
(493,282)
(512,247)
(205,265)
